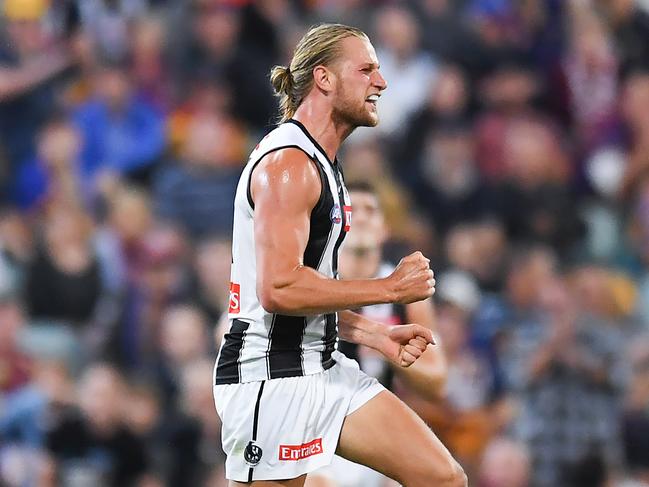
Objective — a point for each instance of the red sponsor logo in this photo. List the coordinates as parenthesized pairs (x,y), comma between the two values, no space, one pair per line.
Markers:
(348,217)
(235,298)
(292,453)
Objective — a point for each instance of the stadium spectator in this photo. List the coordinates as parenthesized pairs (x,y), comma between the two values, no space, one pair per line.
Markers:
(212,277)
(505,463)
(93,445)
(122,243)
(479,248)
(566,369)
(263,24)
(150,74)
(445,34)
(162,280)
(404,63)
(501,35)
(447,103)
(507,96)
(22,422)
(630,27)
(198,403)
(171,438)
(56,173)
(449,188)
(536,206)
(212,49)
(32,61)
(190,193)
(467,415)
(64,279)
(205,97)
(364,161)
(121,133)
(590,67)
(183,341)
(110,25)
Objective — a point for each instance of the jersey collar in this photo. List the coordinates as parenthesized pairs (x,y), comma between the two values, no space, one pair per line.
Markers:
(315,142)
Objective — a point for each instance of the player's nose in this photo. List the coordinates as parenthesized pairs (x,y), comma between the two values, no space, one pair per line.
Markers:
(379,81)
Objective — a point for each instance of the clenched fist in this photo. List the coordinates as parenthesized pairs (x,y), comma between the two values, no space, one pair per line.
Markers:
(404,344)
(412,280)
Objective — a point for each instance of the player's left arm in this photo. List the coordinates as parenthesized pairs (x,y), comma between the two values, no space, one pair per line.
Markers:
(402,345)
(406,347)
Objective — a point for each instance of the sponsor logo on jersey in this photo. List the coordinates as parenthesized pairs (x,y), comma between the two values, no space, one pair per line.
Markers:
(252,454)
(235,298)
(335,215)
(292,453)
(348,217)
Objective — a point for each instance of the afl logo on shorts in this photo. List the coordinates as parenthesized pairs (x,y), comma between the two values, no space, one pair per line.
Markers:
(336,215)
(252,454)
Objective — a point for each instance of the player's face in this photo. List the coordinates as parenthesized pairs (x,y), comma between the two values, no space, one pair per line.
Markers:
(368,225)
(359,83)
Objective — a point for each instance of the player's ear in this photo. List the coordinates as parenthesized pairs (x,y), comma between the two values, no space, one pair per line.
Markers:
(323,78)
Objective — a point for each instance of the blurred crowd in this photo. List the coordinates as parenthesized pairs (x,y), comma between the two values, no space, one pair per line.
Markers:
(513,150)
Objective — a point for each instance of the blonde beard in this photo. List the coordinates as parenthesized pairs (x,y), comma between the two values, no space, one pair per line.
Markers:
(356,118)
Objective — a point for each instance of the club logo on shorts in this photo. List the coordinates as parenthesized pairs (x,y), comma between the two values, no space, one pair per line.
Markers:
(299,452)
(336,215)
(252,454)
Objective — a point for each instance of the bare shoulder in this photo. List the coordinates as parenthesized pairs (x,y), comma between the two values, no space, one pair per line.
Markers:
(286,175)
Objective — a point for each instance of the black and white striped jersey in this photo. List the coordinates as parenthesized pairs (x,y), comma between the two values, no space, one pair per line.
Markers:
(262,345)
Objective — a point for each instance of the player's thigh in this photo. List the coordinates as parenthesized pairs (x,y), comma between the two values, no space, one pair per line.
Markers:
(386,435)
(315,480)
(297,482)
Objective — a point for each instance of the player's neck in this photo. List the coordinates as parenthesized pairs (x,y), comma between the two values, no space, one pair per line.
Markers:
(316,116)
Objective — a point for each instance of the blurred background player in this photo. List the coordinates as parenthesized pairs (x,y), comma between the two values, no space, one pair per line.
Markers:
(361,257)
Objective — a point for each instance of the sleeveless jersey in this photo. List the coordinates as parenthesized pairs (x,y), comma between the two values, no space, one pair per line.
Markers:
(262,345)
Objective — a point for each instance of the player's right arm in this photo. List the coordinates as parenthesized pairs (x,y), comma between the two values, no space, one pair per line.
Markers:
(285,187)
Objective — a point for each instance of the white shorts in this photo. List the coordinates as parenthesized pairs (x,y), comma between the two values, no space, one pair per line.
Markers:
(283,428)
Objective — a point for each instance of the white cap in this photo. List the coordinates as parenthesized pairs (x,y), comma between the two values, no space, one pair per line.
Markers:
(458,288)
(605,170)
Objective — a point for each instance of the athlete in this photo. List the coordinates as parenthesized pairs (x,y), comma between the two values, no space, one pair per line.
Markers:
(361,257)
(288,400)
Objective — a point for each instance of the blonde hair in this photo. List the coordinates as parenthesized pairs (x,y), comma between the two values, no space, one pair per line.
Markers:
(320,46)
